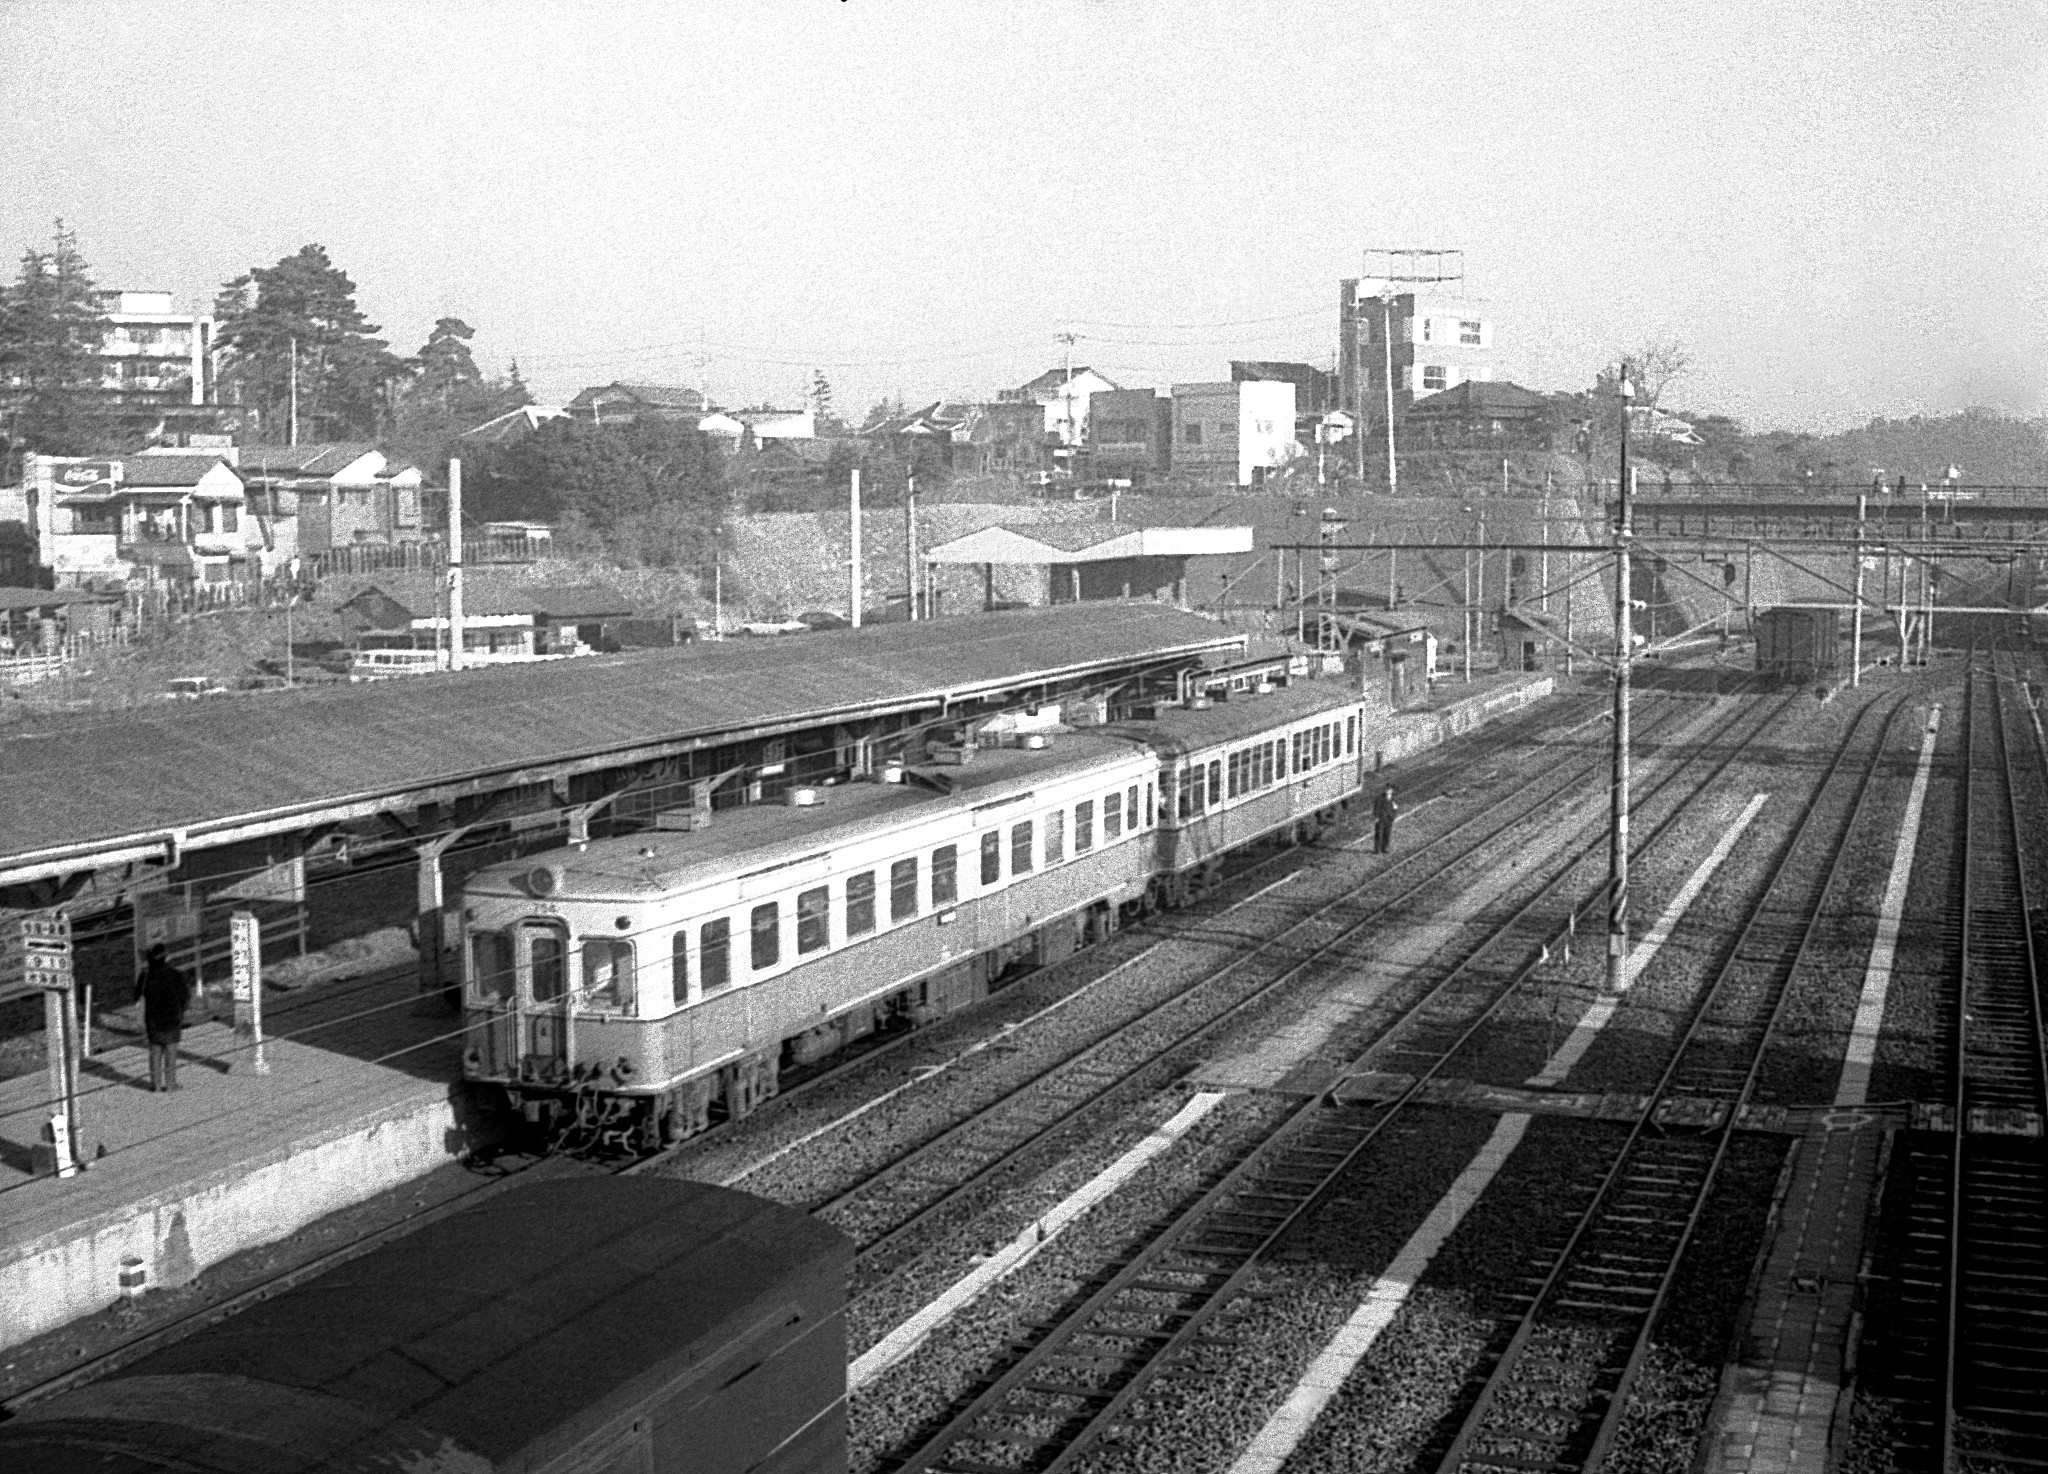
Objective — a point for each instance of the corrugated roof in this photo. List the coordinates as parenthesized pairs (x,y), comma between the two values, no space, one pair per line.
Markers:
(424,594)
(168,470)
(18,598)
(1183,729)
(292,755)
(303,460)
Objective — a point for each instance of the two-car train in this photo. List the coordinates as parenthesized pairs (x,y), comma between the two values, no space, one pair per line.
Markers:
(627,991)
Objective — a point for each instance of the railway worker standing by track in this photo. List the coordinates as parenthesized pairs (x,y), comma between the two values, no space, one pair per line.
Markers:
(163,991)
(1384,812)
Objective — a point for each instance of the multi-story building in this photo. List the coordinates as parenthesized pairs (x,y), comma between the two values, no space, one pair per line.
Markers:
(1130,433)
(1233,431)
(1432,341)
(154,355)
(334,495)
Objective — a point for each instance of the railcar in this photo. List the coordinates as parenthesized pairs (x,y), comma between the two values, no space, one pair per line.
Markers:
(584,1327)
(627,992)
(1248,765)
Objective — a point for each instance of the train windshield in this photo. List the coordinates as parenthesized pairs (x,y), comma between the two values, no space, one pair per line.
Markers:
(530,960)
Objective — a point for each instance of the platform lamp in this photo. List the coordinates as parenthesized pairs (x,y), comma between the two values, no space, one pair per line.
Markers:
(1624,655)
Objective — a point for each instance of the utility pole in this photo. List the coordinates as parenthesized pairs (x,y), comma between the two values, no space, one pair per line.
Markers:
(1624,655)
(294,432)
(910,543)
(455,565)
(1069,433)
(853,573)
(1387,312)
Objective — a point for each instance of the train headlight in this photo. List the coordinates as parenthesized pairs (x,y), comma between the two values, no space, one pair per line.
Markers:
(544,880)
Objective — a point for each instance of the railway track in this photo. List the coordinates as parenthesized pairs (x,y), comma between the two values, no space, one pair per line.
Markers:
(1551,1391)
(1437,777)
(1963,1356)
(1154,1313)
(1142,1052)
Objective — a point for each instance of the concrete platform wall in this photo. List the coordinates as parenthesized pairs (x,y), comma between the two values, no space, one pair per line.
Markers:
(75,1271)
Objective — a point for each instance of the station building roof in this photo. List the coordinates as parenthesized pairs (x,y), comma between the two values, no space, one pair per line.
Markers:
(233,768)
(1088,542)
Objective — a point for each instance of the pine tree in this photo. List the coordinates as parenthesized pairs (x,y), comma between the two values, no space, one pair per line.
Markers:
(51,331)
(304,308)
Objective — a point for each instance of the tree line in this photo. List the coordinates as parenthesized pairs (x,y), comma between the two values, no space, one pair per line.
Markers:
(296,357)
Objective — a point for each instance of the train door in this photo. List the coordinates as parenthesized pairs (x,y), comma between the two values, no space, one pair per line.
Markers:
(541,950)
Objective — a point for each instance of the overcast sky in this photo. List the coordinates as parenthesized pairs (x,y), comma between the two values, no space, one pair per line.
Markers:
(1841,213)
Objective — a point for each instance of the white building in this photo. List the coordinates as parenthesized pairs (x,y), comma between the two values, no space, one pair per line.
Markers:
(152,350)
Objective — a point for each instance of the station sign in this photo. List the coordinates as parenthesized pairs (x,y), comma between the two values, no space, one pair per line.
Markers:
(35,954)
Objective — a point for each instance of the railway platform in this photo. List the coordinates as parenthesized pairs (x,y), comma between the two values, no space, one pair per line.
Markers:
(1782,1396)
(360,1094)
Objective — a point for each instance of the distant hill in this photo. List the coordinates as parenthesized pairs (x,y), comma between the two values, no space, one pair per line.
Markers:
(1990,449)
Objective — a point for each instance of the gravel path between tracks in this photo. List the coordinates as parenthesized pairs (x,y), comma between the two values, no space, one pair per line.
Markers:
(1911,1061)
(920,1388)
(1299,1299)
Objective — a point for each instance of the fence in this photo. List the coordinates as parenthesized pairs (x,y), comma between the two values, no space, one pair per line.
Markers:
(421,557)
(22,670)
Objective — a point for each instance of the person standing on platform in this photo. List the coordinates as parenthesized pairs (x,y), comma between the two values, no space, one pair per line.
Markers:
(1384,812)
(164,992)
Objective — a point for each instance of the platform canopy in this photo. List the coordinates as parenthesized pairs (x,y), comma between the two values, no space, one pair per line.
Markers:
(1087,542)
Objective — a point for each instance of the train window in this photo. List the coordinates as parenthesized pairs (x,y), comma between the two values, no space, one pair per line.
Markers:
(608,974)
(1279,759)
(814,919)
(547,963)
(766,925)
(903,890)
(714,954)
(945,875)
(1186,803)
(1084,826)
(1112,817)
(860,903)
(1055,836)
(1216,784)
(1021,859)
(1131,807)
(1234,768)
(991,857)
(490,965)
(1350,736)
(679,967)
(1330,743)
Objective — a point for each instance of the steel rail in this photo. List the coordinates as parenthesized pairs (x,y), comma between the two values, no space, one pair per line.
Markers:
(1325,1164)
(1336,908)
(134,1348)
(1475,1424)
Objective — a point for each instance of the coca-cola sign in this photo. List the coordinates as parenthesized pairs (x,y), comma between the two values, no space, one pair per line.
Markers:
(89,473)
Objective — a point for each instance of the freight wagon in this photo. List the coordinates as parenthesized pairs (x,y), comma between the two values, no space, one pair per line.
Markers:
(1798,644)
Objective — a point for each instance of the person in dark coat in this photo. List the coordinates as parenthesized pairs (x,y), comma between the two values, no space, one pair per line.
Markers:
(1384,812)
(163,991)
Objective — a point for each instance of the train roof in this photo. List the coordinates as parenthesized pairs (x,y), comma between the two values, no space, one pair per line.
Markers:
(512,1330)
(756,837)
(1245,714)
